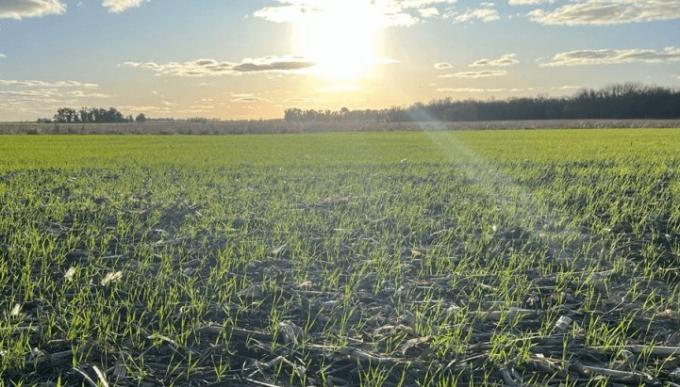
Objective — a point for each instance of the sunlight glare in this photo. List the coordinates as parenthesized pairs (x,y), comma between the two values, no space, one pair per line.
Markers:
(341,37)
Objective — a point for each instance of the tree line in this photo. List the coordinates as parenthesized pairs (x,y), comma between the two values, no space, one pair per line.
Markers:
(68,115)
(616,102)
(624,101)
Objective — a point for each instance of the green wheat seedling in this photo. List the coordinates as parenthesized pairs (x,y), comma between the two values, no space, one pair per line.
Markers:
(406,258)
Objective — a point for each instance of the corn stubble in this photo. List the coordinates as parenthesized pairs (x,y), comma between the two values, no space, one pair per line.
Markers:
(485,258)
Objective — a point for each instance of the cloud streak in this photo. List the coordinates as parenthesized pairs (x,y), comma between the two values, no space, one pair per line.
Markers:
(559,90)
(387,13)
(606,12)
(529,2)
(443,66)
(212,67)
(485,14)
(45,89)
(42,97)
(504,60)
(473,90)
(476,74)
(118,6)
(55,84)
(19,9)
(246,98)
(610,57)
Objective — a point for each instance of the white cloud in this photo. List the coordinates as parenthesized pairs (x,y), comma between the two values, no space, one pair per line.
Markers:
(43,89)
(387,13)
(487,13)
(19,9)
(511,91)
(476,74)
(529,2)
(505,60)
(147,109)
(32,97)
(472,90)
(212,67)
(443,66)
(118,6)
(82,94)
(609,56)
(246,98)
(428,12)
(567,87)
(603,12)
(3,56)
(55,84)
(167,111)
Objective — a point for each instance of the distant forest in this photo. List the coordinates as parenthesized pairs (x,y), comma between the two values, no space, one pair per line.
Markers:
(625,101)
(68,115)
(630,101)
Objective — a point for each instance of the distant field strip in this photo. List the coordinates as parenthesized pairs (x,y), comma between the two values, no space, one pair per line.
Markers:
(281,126)
(338,148)
(540,257)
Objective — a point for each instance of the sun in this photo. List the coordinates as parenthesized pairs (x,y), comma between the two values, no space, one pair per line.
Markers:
(341,38)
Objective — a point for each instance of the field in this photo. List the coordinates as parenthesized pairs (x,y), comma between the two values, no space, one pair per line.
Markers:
(209,127)
(404,258)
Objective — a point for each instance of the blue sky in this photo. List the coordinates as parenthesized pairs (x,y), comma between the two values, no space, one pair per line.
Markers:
(252,59)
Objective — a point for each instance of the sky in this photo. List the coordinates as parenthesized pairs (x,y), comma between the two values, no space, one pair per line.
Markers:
(237,59)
